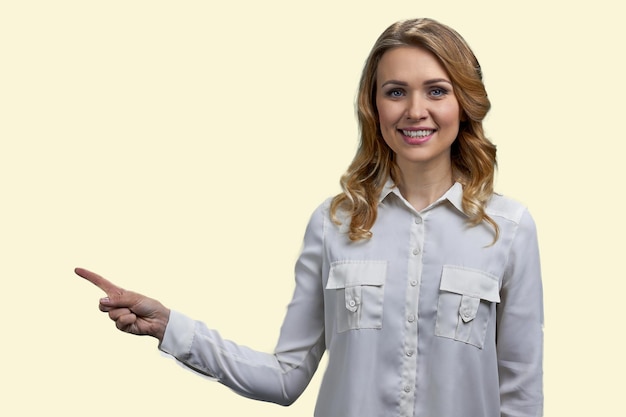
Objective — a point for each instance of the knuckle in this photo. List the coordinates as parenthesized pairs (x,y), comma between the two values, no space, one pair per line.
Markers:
(116,313)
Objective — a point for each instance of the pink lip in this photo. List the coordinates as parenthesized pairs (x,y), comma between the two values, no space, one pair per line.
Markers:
(409,140)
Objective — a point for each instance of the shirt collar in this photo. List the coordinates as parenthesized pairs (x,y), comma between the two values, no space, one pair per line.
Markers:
(389,188)
(454,194)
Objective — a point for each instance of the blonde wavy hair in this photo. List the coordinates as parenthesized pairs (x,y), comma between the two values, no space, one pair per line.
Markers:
(473,156)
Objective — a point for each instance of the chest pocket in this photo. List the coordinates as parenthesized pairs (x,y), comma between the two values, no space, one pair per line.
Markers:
(358,288)
(466,304)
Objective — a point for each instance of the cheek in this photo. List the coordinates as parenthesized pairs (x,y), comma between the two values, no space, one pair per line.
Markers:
(451,114)
(386,115)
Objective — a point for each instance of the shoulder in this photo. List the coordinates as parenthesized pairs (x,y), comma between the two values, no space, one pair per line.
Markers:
(326,219)
(321,214)
(506,208)
(323,209)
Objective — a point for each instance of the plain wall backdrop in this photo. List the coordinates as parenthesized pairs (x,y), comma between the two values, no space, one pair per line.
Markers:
(178,148)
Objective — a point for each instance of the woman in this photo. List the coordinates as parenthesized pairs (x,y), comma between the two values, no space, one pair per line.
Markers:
(422,284)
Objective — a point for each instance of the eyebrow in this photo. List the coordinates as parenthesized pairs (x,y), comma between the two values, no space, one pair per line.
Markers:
(427,82)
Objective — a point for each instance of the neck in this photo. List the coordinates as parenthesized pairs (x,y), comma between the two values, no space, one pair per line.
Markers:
(422,187)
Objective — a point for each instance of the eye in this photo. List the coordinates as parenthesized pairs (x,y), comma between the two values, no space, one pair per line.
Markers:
(395,93)
(438,92)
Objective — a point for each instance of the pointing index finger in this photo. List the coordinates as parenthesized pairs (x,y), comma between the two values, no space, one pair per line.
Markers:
(105,285)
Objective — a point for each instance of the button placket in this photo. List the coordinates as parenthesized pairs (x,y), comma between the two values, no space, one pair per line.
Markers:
(414,271)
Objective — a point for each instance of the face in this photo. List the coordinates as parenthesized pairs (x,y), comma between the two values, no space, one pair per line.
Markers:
(418,112)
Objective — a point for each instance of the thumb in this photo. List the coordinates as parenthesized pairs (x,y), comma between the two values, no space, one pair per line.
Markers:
(122,299)
(106,301)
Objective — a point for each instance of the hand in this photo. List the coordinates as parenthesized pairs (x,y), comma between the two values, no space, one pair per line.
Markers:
(131,312)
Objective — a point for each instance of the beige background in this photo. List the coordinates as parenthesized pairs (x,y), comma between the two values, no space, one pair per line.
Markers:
(178,148)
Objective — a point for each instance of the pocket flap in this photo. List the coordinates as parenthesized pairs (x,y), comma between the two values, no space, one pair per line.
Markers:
(470,282)
(344,274)
(469,308)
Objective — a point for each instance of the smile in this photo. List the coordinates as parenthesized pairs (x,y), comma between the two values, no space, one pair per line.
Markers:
(417,133)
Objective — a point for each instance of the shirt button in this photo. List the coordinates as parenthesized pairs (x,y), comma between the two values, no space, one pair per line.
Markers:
(414,283)
(418,220)
(411,318)
(416,251)
(352,303)
(407,389)
(409,353)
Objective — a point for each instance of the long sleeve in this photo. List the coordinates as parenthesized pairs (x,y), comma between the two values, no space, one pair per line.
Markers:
(279,377)
(520,327)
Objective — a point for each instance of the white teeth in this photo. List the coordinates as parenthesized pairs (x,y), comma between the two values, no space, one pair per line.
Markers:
(417,133)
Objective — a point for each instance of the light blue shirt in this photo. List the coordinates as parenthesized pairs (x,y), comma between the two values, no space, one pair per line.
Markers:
(425,319)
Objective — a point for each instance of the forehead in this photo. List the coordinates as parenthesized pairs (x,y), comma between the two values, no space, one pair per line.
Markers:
(407,63)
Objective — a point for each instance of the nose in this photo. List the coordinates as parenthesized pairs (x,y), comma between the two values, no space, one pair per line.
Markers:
(417,108)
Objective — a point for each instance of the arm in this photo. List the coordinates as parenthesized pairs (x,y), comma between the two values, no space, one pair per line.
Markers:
(279,377)
(520,327)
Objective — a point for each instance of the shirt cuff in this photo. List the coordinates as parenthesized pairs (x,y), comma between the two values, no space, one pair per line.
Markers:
(179,335)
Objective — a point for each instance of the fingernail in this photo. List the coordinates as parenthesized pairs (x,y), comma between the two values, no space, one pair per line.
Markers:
(105,300)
